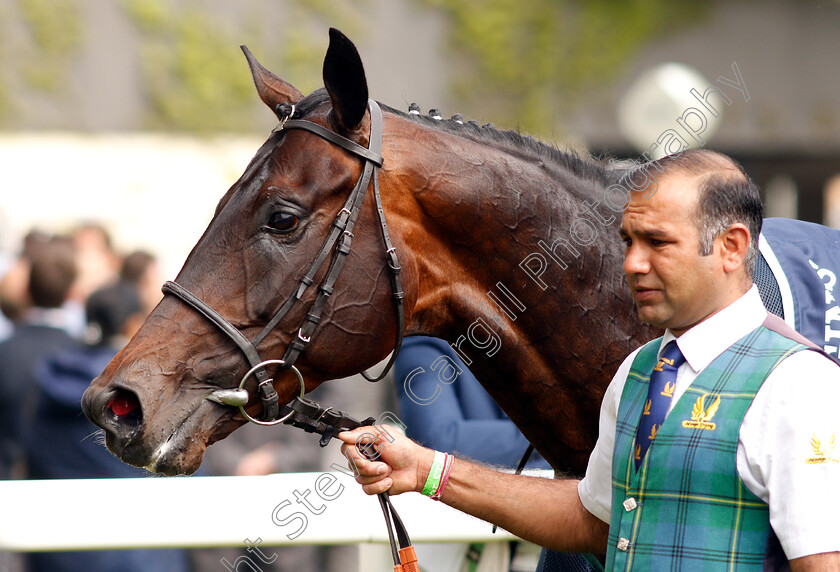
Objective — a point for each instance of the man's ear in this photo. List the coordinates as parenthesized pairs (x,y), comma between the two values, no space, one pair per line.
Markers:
(734,243)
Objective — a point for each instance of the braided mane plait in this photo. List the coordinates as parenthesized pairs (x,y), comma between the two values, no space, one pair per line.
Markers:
(601,172)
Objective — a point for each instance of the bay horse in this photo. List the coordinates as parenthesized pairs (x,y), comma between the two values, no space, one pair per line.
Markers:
(509,249)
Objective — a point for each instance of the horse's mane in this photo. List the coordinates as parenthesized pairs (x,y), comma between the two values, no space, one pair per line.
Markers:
(602,171)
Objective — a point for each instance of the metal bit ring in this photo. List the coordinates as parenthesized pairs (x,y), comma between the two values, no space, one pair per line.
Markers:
(250,373)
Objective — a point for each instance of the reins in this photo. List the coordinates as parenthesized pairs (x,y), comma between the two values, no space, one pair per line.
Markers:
(301,412)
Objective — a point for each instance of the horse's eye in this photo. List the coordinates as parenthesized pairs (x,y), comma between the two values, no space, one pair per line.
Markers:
(282,222)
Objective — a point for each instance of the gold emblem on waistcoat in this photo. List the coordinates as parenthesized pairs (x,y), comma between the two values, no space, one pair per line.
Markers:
(646,410)
(638,452)
(701,415)
(821,451)
(653,431)
(668,391)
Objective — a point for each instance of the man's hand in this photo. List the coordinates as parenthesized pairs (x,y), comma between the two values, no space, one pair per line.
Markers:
(398,464)
(547,512)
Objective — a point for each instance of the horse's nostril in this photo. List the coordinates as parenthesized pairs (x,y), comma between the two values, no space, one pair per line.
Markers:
(124,407)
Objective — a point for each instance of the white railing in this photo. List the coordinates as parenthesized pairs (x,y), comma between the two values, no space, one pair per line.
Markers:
(219,511)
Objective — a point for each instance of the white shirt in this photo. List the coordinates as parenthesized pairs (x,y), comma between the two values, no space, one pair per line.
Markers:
(798,403)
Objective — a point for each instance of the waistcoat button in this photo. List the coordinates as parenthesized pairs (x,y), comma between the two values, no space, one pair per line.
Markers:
(630,504)
(623,544)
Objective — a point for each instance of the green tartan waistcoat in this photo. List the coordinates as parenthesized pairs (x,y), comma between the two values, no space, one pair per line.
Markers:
(686,508)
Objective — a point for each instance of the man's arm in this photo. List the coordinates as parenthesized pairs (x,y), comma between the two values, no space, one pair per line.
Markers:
(544,511)
(825,562)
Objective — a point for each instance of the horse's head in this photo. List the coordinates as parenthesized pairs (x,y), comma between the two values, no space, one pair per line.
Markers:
(152,399)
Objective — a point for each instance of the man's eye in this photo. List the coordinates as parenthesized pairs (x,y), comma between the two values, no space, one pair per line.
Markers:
(282,222)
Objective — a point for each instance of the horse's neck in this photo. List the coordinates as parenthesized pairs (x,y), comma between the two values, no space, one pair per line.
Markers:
(503,271)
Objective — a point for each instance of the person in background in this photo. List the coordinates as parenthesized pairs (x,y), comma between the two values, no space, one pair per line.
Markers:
(98,262)
(40,332)
(14,282)
(61,443)
(444,407)
(7,263)
(98,265)
(142,269)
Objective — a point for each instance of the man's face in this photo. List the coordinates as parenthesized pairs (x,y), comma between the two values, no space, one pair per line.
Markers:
(673,286)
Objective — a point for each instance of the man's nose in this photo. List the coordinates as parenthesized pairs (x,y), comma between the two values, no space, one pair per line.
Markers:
(636,260)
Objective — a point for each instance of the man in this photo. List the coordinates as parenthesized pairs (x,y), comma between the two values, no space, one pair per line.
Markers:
(746,450)
(52,271)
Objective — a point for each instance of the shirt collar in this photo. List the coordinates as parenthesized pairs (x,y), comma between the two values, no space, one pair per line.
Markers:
(707,340)
(49,317)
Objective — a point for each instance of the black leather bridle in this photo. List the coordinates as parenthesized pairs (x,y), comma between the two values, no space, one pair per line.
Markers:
(338,242)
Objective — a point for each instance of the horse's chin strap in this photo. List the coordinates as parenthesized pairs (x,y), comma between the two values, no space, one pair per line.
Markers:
(338,242)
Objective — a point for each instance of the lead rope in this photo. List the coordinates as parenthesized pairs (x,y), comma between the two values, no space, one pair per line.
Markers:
(313,418)
(326,421)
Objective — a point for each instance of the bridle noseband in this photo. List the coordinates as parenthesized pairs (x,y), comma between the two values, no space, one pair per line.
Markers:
(338,241)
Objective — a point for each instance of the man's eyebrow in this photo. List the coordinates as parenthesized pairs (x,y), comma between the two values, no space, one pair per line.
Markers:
(646,232)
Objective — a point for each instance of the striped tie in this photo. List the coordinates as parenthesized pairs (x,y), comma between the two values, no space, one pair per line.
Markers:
(663,380)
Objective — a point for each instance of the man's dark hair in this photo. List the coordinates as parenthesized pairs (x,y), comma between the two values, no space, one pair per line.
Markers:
(135,265)
(52,273)
(726,195)
(109,308)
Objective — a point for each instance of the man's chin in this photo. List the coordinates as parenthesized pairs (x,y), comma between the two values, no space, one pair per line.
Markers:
(650,316)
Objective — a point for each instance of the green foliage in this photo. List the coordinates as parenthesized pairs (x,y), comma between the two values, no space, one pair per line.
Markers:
(149,15)
(195,77)
(38,40)
(305,43)
(55,28)
(5,104)
(532,59)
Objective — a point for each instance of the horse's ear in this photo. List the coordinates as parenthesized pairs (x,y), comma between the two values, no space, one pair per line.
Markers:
(271,88)
(344,78)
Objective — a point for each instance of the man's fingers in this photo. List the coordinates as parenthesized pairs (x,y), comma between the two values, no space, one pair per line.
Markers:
(369,434)
(378,487)
(351,436)
(363,465)
(375,470)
